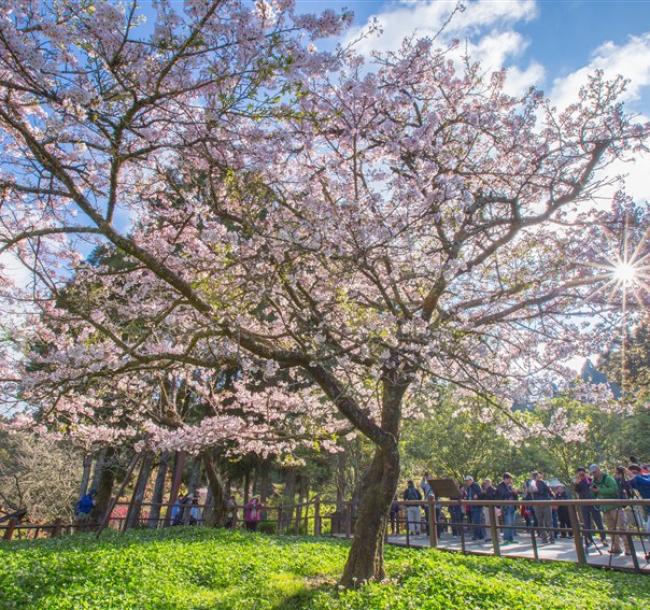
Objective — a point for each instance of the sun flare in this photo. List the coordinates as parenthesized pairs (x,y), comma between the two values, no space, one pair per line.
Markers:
(625,272)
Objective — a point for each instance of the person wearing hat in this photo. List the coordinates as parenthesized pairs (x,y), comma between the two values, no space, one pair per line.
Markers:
(605,486)
(563,518)
(639,481)
(539,490)
(473,490)
(590,513)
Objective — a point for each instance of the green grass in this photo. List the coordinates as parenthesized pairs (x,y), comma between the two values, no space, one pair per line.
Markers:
(199,568)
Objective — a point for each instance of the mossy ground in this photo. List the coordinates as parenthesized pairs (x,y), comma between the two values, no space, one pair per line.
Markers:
(200,568)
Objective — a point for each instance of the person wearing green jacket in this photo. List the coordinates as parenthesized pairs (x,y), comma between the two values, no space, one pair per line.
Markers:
(605,486)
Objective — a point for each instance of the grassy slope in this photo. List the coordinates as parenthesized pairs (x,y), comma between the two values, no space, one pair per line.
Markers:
(184,568)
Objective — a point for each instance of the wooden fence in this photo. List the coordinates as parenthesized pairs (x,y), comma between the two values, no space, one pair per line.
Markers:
(314,518)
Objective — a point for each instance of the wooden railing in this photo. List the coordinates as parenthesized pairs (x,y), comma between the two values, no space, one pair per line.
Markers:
(304,518)
(635,533)
(311,518)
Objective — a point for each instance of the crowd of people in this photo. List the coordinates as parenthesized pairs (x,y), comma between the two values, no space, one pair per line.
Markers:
(549,521)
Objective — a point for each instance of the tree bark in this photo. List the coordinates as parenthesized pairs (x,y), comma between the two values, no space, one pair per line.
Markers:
(97,470)
(288,496)
(179,465)
(366,558)
(87,465)
(217,513)
(247,482)
(105,481)
(135,506)
(158,490)
(341,481)
(192,486)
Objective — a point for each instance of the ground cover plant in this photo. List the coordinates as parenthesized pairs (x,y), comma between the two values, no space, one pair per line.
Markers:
(211,569)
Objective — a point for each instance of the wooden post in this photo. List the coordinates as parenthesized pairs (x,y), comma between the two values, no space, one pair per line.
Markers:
(462,527)
(56,531)
(433,526)
(317,519)
(577,535)
(494,531)
(179,465)
(11,526)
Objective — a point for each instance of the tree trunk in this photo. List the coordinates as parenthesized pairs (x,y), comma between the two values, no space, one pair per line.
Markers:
(97,471)
(341,482)
(179,465)
(87,465)
(217,513)
(133,514)
(288,496)
(192,486)
(366,558)
(303,487)
(247,482)
(105,482)
(158,490)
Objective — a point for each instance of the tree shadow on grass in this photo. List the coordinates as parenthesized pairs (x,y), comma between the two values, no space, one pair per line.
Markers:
(301,599)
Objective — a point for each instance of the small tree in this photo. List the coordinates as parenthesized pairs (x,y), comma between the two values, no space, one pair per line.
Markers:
(39,474)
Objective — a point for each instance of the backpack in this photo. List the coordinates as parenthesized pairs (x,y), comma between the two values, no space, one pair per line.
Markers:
(412,494)
(642,485)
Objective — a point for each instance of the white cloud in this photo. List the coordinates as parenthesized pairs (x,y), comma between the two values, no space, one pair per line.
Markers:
(13,270)
(426,19)
(484,28)
(631,60)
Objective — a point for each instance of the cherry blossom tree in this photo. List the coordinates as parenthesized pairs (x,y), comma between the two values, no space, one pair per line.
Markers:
(364,227)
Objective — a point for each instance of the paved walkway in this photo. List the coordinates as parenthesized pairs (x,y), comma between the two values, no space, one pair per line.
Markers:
(561,550)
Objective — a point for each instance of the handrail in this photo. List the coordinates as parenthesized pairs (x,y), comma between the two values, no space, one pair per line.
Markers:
(551,502)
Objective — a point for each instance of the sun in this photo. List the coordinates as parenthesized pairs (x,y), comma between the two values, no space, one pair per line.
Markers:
(625,272)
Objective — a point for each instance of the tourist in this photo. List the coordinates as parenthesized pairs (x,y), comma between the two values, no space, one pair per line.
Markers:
(640,482)
(590,513)
(488,492)
(604,486)
(425,486)
(427,492)
(411,493)
(394,516)
(505,491)
(84,507)
(231,513)
(563,518)
(252,513)
(177,510)
(473,491)
(195,511)
(540,490)
(456,512)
